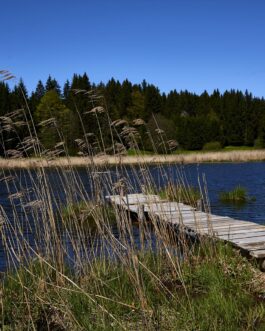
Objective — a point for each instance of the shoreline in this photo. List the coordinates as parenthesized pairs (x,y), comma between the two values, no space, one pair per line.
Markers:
(105,160)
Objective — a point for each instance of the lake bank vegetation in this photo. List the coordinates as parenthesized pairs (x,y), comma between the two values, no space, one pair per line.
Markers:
(213,287)
(110,160)
(71,263)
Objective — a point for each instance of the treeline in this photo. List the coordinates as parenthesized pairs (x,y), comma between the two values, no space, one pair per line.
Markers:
(191,120)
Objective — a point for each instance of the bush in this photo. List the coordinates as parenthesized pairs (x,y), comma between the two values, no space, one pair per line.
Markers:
(212,146)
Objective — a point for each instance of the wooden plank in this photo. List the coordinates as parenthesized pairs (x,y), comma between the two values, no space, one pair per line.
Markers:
(228,226)
(166,209)
(253,246)
(249,240)
(246,234)
(133,199)
(214,221)
(204,229)
(192,216)
(240,230)
(206,223)
(141,199)
(258,254)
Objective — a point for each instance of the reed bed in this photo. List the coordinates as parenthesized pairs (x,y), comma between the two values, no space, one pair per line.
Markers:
(59,276)
(105,160)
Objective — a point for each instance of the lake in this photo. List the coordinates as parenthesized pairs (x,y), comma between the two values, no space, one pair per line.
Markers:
(218,176)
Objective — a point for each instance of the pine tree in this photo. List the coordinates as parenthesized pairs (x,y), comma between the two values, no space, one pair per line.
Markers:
(52,84)
(40,90)
(152,101)
(36,96)
(4,99)
(18,96)
(66,90)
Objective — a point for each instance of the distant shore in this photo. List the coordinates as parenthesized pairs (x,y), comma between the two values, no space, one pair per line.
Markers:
(196,157)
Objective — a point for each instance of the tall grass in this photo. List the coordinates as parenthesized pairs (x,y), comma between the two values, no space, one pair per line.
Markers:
(59,276)
(236,195)
(186,194)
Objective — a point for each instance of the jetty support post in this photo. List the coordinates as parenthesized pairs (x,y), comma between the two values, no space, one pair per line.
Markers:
(141,220)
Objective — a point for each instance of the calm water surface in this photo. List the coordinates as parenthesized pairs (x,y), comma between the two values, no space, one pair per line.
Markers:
(219,177)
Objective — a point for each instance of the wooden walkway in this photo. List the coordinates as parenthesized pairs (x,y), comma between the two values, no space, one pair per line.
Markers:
(248,236)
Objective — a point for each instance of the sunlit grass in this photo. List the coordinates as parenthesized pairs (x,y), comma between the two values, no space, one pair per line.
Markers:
(218,291)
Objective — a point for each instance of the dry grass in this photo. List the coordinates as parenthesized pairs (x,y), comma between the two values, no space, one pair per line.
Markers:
(105,160)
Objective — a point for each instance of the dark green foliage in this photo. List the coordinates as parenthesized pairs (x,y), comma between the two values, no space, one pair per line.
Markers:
(36,96)
(232,118)
(212,146)
(66,89)
(52,85)
(4,98)
(57,129)
(18,96)
(152,101)
(161,129)
(79,103)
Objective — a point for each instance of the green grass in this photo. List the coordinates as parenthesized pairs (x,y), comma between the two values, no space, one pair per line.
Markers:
(237,195)
(225,149)
(215,291)
(239,148)
(134,152)
(208,147)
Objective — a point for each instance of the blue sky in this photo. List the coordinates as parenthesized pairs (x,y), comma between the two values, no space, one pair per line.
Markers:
(188,44)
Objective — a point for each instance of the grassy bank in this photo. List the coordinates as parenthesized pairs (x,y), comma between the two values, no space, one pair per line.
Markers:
(214,287)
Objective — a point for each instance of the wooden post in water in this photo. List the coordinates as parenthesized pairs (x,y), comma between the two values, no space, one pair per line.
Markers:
(262,265)
(199,204)
(141,219)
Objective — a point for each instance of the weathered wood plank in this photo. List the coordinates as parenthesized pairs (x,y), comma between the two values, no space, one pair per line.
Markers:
(167,209)
(248,241)
(240,230)
(243,235)
(259,254)
(228,226)
(253,246)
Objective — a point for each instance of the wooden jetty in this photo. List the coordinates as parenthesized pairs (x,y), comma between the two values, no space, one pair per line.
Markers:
(248,236)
